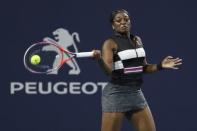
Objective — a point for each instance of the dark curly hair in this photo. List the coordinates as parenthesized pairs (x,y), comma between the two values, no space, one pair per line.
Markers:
(114,13)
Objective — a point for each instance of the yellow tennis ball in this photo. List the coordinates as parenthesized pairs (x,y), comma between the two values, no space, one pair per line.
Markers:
(35,59)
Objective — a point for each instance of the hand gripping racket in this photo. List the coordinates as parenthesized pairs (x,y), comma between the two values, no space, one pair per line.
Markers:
(49,57)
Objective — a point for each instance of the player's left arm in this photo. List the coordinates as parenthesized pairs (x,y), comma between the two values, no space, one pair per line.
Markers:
(167,63)
(150,68)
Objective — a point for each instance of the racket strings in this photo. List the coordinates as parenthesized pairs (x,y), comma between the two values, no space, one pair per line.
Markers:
(48,54)
(52,57)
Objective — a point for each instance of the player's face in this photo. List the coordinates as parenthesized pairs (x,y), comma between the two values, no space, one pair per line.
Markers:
(121,23)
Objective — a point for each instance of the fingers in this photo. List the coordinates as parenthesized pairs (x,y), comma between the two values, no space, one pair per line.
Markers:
(177,60)
(172,63)
(175,68)
(96,54)
(169,57)
(178,64)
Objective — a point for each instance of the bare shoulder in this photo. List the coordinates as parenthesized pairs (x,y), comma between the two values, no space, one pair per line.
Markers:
(109,44)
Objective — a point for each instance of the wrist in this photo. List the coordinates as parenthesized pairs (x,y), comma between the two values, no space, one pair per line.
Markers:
(159,66)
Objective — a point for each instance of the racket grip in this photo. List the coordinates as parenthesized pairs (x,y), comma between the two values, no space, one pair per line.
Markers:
(84,54)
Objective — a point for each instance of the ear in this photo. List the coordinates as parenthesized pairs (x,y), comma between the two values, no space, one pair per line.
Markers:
(113,27)
(138,40)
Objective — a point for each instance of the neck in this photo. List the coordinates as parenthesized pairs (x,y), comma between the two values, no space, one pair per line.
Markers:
(126,34)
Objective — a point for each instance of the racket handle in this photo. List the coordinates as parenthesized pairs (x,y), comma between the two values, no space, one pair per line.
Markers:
(84,54)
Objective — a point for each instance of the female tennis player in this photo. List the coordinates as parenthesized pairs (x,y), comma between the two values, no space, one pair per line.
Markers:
(124,59)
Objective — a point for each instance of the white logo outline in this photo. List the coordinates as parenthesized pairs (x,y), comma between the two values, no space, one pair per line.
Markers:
(64,39)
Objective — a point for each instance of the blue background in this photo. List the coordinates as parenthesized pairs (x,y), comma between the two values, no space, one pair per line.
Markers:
(166,27)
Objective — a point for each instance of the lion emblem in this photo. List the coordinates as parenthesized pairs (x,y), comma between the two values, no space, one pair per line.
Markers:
(64,39)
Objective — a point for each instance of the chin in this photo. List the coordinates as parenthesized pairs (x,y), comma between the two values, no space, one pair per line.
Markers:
(123,32)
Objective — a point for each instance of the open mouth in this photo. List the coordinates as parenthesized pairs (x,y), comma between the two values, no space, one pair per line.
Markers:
(124,27)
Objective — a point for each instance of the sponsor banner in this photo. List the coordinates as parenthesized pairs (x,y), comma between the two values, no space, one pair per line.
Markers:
(59,88)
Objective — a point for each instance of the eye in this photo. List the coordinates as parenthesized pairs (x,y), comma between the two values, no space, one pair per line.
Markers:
(126,19)
(117,20)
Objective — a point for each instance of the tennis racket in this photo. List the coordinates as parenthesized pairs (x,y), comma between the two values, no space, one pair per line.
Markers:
(49,57)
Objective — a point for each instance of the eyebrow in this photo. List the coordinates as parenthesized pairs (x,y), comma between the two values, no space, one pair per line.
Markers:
(121,17)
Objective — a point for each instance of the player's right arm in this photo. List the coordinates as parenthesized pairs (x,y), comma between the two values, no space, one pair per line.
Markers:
(106,61)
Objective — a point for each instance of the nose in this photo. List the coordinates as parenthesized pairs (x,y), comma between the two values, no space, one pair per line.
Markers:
(123,21)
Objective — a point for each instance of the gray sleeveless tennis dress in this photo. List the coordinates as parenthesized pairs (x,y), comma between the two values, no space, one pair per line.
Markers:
(123,93)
